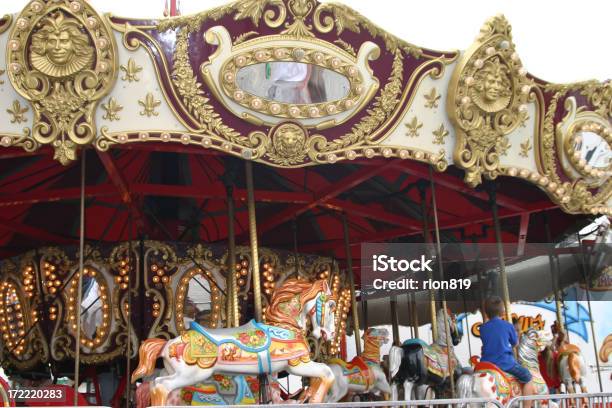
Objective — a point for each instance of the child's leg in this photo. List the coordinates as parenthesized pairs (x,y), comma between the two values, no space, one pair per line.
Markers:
(524,377)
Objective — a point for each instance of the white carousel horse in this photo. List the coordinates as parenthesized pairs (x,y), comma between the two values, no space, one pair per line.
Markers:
(488,381)
(254,348)
(424,369)
(564,362)
(363,374)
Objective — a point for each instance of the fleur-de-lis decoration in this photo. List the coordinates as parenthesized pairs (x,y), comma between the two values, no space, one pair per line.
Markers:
(440,134)
(2,73)
(524,118)
(413,127)
(17,112)
(149,104)
(432,99)
(525,148)
(131,71)
(112,109)
(503,144)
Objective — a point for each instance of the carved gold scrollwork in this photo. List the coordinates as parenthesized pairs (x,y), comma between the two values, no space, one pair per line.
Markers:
(487,100)
(62,59)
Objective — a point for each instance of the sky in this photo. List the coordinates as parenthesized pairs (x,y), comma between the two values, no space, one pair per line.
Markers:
(559,41)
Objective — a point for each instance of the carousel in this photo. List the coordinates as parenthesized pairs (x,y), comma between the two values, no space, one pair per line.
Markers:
(184,203)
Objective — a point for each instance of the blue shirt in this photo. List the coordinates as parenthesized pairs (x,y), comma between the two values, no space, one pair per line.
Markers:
(498,337)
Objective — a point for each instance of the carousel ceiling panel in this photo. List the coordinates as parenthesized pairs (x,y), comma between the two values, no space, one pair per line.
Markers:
(292,83)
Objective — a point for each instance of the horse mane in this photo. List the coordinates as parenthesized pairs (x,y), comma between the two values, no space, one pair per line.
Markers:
(291,288)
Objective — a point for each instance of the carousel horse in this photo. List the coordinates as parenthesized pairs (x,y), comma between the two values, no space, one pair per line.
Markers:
(425,366)
(363,374)
(489,381)
(254,348)
(564,362)
(221,390)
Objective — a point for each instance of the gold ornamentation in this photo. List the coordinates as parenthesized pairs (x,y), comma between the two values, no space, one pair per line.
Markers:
(112,109)
(487,100)
(17,112)
(131,71)
(313,57)
(440,134)
(432,99)
(245,36)
(346,47)
(413,127)
(193,97)
(526,147)
(63,64)
(149,104)
(503,145)
(288,144)
(300,9)
(2,72)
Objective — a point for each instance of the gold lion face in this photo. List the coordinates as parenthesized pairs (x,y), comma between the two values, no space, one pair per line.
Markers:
(289,140)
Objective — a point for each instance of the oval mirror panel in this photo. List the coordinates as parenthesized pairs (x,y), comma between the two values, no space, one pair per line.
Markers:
(592,150)
(198,302)
(91,308)
(293,82)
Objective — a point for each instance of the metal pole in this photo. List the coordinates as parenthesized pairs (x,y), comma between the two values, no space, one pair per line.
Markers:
(349,271)
(427,240)
(586,267)
(128,316)
(554,273)
(500,254)
(233,320)
(415,314)
(253,239)
(77,359)
(395,321)
(440,266)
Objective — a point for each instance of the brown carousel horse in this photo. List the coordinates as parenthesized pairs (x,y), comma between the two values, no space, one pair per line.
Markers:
(564,362)
(252,349)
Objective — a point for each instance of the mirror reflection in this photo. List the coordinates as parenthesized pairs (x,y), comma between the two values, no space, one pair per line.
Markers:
(197,302)
(293,82)
(593,149)
(91,307)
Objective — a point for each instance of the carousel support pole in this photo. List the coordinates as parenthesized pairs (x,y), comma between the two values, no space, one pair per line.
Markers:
(395,321)
(233,320)
(586,268)
(554,273)
(349,271)
(500,254)
(253,240)
(441,270)
(128,314)
(77,352)
(427,240)
(263,398)
(415,315)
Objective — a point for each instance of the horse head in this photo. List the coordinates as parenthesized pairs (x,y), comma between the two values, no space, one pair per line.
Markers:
(378,335)
(321,310)
(455,333)
(531,343)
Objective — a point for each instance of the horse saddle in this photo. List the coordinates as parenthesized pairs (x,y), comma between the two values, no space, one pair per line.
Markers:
(567,349)
(357,370)
(506,384)
(252,337)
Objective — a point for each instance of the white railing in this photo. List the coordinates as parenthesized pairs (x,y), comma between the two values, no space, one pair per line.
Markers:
(586,400)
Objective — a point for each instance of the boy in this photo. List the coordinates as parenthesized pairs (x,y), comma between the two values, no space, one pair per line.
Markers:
(498,338)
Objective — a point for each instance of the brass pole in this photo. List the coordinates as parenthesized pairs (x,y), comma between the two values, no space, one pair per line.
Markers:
(441,270)
(253,239)
(500,255)
(427,240)
(128,369)
(77,359)
(554,273)
(415,314)
(349,271)
(395,321)
(233,320)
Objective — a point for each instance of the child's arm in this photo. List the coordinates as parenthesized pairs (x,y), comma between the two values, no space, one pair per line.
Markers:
(513,336)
